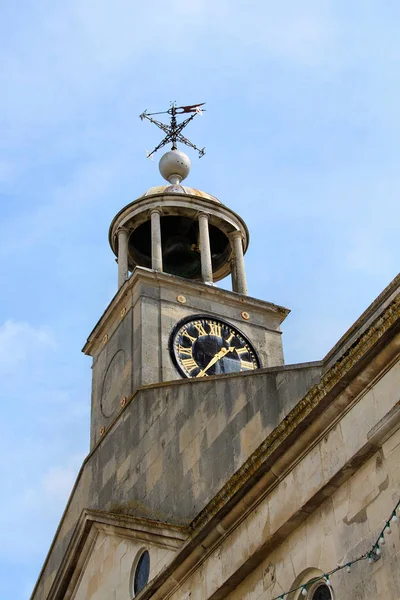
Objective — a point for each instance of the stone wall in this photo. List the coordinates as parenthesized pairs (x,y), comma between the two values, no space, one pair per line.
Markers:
(173,447)
(109,571)
(130,344)
(342,527)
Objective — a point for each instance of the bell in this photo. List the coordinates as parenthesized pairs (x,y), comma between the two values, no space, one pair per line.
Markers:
(181,257)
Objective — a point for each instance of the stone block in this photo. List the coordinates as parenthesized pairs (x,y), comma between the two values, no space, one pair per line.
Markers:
(334,453)
(251,437)
(191,454)
(109,470)
(392,444)
(340,502)
(357,422)
(314,534)
(387,390)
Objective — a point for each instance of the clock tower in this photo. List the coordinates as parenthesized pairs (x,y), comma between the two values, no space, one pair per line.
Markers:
(215,470)
(169,320)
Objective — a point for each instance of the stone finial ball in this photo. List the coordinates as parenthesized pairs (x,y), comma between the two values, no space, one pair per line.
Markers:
(174,166)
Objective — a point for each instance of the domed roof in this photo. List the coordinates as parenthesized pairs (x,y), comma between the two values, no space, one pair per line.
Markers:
(178,189)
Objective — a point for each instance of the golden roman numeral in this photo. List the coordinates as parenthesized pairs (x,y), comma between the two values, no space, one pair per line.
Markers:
(200,328)
(183,350)
(215,329)
(246,365)
(241,351)
(189,364)
(192,339)
(230,337)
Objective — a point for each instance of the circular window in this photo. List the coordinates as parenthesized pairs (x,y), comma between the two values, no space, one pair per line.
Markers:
(322,592)
(142,572)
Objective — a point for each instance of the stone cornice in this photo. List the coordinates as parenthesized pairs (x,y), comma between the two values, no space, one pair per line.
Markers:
(176,203)
(194,287)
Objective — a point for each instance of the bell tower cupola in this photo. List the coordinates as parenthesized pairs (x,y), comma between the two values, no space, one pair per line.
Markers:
(169,320)
(180,230)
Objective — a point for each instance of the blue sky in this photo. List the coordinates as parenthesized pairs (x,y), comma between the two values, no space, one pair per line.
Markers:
(302,135)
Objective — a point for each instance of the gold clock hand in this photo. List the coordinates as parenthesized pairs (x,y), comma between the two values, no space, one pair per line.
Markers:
(212,362)
(215,359)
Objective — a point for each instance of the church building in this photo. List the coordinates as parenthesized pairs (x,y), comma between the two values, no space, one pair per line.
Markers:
(215,469)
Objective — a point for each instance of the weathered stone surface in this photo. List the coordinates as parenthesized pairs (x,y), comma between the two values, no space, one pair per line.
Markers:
(282,473)
(130,344)
(174,446)
(341,528)
(110,567)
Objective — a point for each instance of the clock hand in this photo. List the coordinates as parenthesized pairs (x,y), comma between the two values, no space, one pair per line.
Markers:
(215,359)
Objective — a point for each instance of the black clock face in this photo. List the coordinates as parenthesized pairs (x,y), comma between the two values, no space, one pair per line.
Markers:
(202,346)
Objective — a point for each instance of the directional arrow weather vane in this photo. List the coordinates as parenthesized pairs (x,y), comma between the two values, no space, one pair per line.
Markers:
(174,129)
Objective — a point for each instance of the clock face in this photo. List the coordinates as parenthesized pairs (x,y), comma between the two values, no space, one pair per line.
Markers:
(201,346)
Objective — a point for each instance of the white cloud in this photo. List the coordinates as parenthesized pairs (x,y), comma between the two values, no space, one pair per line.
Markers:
(370,255)
(7,172)
(18,340)
(300,33)
(59,480)
(313,337)
(66,204)
(36,511)
(94,42)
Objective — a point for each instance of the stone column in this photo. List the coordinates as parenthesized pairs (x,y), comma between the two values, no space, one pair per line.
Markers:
(122,256)
(239,277)
(233,274)
(156,247)
(205,249)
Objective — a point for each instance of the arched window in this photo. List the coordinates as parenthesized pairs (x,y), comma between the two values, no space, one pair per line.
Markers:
(140,572)
(315,583)
(321,592)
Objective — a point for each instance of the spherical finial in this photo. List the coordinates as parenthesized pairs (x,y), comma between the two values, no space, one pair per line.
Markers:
(174,166)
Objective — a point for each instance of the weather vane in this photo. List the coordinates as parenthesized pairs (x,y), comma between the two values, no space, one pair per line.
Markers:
(174,129)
